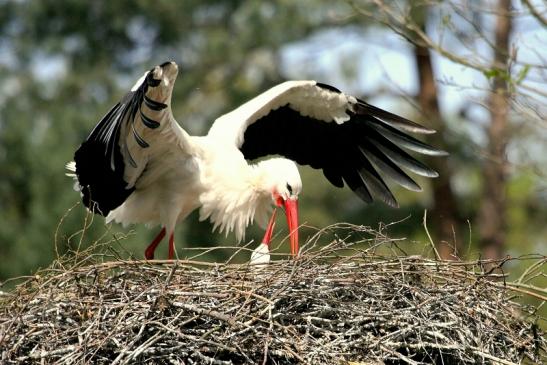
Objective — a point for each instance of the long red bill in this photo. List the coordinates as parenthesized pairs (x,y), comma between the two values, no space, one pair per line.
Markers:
(291,210)
(269,231)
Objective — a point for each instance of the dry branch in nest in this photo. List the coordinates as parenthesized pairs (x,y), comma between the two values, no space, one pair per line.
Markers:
(338,304)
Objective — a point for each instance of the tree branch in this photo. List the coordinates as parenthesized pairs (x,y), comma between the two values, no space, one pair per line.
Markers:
(535,12)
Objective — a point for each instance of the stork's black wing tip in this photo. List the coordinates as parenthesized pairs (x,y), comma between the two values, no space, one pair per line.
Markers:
(328,87)
(440,153)
(391,119)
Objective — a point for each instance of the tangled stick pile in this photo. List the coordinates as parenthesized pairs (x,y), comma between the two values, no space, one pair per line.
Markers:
(338,304)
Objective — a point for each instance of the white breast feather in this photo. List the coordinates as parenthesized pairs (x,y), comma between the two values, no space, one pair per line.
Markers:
(230,199)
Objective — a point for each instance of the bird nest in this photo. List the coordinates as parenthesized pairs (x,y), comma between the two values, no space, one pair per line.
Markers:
(343,303)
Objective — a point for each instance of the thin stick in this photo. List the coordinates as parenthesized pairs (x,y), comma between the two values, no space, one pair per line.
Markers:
(429,237)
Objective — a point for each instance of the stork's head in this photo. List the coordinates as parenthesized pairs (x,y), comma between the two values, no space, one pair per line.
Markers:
(281,180)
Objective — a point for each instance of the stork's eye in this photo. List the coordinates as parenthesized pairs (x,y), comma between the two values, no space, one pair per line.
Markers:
(289,188)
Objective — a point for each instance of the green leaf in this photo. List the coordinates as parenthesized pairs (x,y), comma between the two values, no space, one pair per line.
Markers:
(522,74)
(492,73)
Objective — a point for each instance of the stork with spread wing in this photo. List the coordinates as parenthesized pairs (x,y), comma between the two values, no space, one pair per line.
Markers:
(139,166)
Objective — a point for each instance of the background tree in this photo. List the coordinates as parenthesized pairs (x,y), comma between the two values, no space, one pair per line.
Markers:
(445,210)
(492,213)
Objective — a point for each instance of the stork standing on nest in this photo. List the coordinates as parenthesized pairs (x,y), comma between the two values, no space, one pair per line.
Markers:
(139,166)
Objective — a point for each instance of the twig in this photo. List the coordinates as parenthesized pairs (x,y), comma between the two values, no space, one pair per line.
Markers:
(429,237)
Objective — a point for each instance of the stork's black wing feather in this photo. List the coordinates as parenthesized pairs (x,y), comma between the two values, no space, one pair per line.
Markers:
(352,152)
(99,161)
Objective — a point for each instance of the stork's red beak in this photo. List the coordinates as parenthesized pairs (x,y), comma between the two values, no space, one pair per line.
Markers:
(291,210)
(269,230)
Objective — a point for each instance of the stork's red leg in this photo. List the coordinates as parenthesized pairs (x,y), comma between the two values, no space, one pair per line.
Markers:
(171,246)
(149,252)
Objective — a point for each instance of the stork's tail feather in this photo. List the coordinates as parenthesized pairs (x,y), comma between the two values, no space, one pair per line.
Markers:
(103,188)
(71,172)
(71,169)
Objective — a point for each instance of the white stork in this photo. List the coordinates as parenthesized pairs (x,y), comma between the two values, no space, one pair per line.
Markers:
(139,166)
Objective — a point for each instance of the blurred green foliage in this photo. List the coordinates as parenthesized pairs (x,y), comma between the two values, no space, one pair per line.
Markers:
(63,64)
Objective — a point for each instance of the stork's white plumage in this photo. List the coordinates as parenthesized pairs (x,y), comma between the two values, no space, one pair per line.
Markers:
(139,166)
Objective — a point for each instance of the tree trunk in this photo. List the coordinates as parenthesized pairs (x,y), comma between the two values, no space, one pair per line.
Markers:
(444,215)
(492,219)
